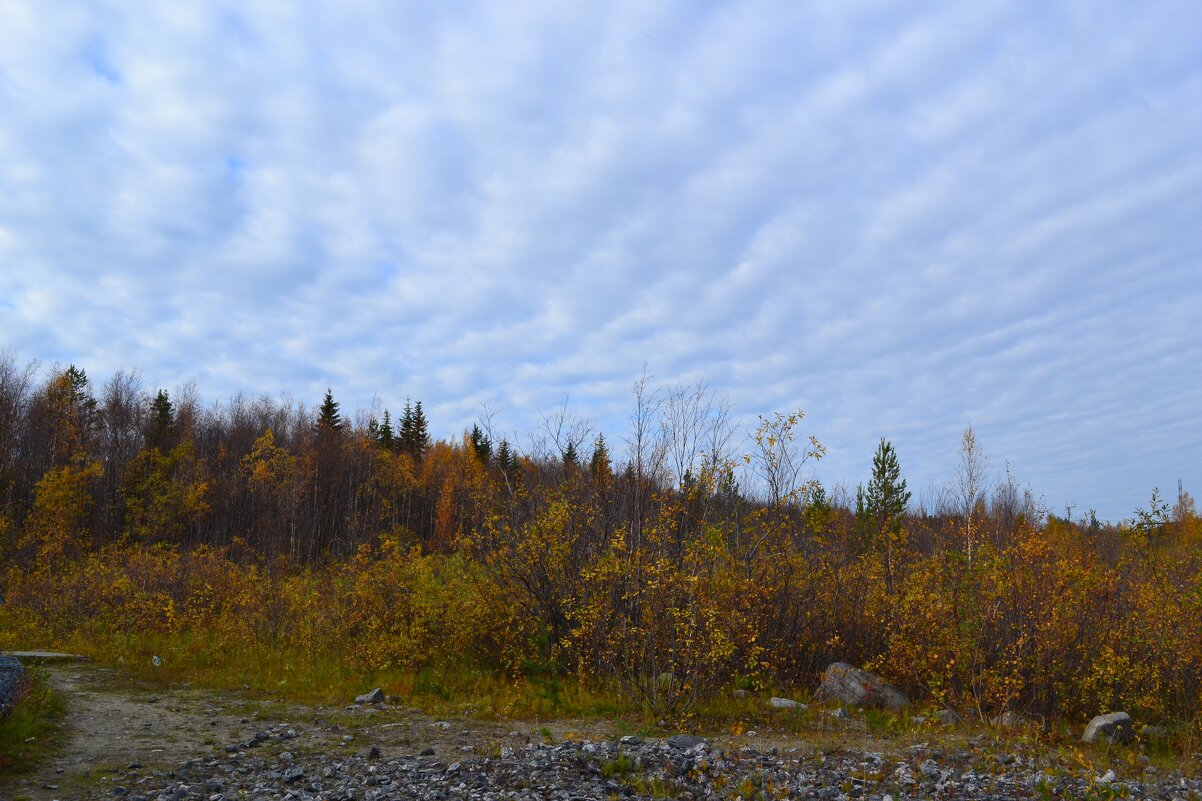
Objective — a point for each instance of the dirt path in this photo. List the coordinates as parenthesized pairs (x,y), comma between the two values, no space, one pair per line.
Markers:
(119,732)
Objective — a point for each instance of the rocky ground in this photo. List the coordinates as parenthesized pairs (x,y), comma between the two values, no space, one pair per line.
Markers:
(124,741)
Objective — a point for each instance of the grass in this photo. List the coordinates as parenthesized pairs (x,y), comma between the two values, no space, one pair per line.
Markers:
(29,731)
(268,674)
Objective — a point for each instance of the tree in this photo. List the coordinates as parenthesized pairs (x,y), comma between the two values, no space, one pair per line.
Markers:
(778,458)
(414,437)
(328,417)
(599,466)
(481,444)
(506,460)
(421,433)
(162,420)
(1152,522)
(570,458)
(884,503)
(384,435)
(970,483)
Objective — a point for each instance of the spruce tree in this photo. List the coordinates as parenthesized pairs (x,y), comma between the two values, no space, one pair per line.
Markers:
(599,466)
(384,435)
(162,419)
(405,434)
(328,416)
(481,444)
(505,458)
(421,434)
(570,457)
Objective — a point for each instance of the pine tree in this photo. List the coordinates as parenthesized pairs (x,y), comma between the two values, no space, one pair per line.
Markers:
(570,457)
(328,416)
(884,505)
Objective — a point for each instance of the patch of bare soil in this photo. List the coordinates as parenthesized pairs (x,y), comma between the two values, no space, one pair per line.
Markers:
(120,732)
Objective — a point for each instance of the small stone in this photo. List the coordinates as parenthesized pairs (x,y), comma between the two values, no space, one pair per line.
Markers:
(785,703)
(841,714)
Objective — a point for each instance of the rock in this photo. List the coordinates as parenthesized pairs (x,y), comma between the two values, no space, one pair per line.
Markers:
(785,703)
(12,681)
(947,717)
(851,685)
(685,742)
(1112,728)
(376,696)
(841,714)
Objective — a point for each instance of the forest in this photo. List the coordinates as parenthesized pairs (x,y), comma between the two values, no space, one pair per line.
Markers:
(662,565)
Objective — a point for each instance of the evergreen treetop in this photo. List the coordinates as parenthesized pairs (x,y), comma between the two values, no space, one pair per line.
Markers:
(328,416)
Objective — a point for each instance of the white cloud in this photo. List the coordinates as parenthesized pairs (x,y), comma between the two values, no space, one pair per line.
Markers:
(899,218)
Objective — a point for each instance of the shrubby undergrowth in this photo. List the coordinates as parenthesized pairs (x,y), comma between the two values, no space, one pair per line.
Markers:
(254,542)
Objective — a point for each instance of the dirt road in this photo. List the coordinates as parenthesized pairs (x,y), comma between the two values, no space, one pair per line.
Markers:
(118,731)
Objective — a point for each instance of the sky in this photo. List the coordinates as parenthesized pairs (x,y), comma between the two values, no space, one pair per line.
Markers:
(900,217)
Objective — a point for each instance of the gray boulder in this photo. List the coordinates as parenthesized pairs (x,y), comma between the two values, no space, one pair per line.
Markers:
(376,696)
(785,703)
(851,685)
(1112,728)
(685,742)
(12,681)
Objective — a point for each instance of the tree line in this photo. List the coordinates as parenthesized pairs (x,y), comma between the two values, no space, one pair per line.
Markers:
(686,561)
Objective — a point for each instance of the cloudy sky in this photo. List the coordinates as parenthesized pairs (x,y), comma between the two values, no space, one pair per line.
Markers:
(901,217)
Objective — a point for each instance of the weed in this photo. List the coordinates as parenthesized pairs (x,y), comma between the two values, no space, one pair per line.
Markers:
(28,732)
(619,767)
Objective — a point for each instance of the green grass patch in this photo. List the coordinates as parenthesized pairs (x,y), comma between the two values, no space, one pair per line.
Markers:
(29,731)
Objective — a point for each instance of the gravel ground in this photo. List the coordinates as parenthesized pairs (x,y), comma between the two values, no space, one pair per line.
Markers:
(679,767)
(129,742)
